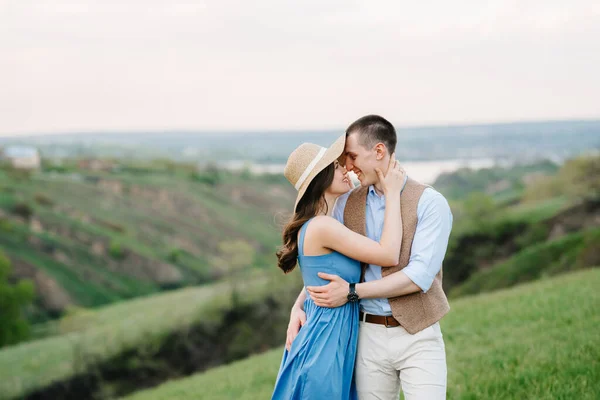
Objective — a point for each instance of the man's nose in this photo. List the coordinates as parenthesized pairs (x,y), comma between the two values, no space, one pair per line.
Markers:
(349,165)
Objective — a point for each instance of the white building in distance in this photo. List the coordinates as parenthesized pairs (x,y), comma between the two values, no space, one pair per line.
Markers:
(21,157)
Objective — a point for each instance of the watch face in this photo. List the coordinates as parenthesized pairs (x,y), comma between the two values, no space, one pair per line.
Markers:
(352,297)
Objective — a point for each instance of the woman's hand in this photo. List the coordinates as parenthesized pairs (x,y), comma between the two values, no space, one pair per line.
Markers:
(394,179)
(347,179)
(297,320)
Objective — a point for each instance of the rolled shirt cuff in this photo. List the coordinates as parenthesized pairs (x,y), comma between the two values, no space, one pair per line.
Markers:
(420,278)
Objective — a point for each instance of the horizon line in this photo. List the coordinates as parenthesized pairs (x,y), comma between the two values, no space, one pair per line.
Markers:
(138,131)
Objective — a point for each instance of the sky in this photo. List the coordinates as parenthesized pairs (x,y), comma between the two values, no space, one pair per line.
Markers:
(94,65)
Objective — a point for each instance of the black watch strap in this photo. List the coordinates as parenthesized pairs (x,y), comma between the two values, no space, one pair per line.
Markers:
(352,295)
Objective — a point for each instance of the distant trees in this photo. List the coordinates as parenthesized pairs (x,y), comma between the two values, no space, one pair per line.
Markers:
(13,299)
(582,176)
(209,175)
(578,178)
(459,184)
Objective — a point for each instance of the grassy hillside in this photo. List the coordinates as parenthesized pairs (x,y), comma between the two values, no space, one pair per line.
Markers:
(497,243)
(100,334)
(503,183)
(89,238)
(93,338)
(570,252)
(534,341)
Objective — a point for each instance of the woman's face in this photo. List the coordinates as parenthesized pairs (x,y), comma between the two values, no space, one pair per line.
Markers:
(341,181)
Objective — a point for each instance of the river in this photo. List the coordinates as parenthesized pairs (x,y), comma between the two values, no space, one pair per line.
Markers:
(422,171)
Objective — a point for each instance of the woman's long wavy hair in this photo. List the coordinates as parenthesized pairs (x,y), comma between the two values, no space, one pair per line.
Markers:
(308,207)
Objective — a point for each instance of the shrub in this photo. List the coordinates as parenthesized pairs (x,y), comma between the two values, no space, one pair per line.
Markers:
(533,234)
(210,175)
(116,251)
(174,255)
(23,210)
(590,253)
(13,300)
(43,200)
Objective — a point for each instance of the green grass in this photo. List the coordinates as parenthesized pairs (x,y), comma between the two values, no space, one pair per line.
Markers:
(87,290)
(533,341)
(165,214)
(538,211)
(547,258)
(101,334)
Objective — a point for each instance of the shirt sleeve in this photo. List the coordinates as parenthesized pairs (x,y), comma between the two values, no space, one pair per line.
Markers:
(431,239)
(340,205)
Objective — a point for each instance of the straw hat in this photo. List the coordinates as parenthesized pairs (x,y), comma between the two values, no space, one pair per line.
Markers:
(307,161)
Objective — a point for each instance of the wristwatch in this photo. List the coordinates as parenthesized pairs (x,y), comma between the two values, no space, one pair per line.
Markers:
(352,295)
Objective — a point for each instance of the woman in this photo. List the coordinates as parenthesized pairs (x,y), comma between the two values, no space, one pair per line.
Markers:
(320,363)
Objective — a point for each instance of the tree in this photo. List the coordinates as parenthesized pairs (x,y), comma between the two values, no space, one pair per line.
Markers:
(13,299)
(578,178)
(581,177)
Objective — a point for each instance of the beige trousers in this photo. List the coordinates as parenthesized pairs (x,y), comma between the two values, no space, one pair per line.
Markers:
(388,358)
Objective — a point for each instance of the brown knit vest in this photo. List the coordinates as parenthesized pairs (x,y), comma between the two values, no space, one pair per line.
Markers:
(415,311)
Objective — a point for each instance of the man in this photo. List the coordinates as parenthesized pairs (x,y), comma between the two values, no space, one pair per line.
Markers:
(400,341)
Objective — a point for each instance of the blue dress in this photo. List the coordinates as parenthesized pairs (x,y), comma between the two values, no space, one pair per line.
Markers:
(320,364)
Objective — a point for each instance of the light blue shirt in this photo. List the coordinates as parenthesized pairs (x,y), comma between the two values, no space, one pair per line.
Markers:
(429,244)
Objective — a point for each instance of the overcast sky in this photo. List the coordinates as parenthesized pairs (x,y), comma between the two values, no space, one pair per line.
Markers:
(90,65)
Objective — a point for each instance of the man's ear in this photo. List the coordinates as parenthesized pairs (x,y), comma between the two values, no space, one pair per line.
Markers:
(380,151)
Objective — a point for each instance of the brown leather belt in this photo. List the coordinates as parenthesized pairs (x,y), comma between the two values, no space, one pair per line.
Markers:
(388,321)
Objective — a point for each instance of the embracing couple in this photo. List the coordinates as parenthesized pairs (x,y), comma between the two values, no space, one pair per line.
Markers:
(365,324)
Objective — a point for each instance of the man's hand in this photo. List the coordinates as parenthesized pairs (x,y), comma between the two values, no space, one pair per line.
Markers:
(297,320)
(334,294)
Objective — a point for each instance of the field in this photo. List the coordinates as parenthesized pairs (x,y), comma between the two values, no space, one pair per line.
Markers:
(89,239)
(103,333)
(112,242)
(568,253)
(533,341)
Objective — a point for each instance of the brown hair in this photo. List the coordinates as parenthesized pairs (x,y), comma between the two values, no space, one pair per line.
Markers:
(373,129)
(308,207)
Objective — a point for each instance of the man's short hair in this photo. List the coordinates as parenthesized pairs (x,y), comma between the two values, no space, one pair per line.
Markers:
(373,129)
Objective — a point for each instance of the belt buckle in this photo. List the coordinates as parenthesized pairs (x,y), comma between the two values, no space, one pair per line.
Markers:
(386,323)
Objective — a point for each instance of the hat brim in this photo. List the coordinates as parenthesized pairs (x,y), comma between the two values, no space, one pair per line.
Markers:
(332,153)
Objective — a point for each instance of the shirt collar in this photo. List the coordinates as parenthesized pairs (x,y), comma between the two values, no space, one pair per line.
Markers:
(372,191)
